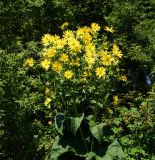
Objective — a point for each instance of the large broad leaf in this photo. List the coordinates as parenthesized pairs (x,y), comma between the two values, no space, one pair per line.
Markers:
(59,120)
(66,144)
(55,151)
(97,130)
(75,123)
(114,151)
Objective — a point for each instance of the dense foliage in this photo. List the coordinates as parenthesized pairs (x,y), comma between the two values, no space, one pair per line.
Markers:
(111,89)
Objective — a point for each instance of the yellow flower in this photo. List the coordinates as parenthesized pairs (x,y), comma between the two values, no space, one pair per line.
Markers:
(90,60)
(50,52)
(106,59)
(60,43)
(55,38)
(64,58)
(100,72)
(67,35)
(95,27)
(74,45)
(64,25)
(115,100)
(84,34)
(57,66)
(47,102)
(116,51)
(45,64)
(87,38)
(90,55)
(109,29)
(30,62)
(68,74)
(46,39)
(82,31)
(101,53)
(90,48)
(123,78)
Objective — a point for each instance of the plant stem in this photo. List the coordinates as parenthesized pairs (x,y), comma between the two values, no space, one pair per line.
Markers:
(83,139)
(92,144)
(81,133)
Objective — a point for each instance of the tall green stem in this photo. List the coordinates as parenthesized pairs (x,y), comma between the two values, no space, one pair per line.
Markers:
(83,139)
(92,143)
(81,133)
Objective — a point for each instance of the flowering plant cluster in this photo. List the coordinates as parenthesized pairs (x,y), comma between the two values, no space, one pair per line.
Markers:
(80,70)
(77,61)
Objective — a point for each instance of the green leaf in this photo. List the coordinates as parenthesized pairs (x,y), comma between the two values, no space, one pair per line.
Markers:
(114,151)
(97,130)
(90,117)
(59,121)
(75,123)
(56,150)
(96,103)
(66,144)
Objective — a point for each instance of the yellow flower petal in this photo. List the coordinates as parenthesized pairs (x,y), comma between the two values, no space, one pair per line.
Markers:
(45,64)
(68,74)
(100,71)
(30,62)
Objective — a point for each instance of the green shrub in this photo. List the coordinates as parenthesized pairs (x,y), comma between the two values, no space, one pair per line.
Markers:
(22,125)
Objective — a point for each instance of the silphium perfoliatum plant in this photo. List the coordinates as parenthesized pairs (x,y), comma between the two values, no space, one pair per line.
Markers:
(80,70)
